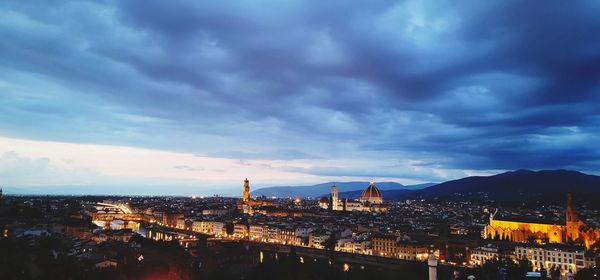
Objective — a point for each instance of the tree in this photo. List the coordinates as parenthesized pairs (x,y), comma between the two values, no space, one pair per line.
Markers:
(229,228)
(330,243)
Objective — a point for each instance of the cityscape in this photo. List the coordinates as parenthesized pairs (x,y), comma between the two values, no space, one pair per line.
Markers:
(234,238)
(293,140)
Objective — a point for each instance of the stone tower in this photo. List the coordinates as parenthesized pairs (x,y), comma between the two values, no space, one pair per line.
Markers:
(334,199)
(571,220)
(246,191)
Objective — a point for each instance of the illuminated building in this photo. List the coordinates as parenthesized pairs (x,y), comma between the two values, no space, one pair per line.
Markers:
(258,232)
(171,219)
(106,263)
(334,201)
(240,230)
(370,200)
(324,202)
(208,227)
(317,238)
(180,223)
(384,245)
(371,195)
(246,191)
(247,204)
(410,250)
(573,230)
(483,254)
(354,246)
(287,236)
(564,256)
(392,246)
(215,212)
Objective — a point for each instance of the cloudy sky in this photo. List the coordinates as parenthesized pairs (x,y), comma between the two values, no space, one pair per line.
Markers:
(191,97)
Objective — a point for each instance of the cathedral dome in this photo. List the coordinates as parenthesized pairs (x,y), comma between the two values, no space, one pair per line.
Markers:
(372,194)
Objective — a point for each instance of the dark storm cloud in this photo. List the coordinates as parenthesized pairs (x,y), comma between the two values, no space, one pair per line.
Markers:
(453,85)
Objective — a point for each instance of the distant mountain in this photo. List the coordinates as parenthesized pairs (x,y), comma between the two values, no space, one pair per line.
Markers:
(419,186)
(387,194)
(518,184)
(319,190)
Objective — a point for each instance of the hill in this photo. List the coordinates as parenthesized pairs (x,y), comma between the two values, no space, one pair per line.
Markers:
(517,185)
(323,189)
(387,194)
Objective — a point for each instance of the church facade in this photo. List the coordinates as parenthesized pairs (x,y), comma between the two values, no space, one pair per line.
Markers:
(572,230)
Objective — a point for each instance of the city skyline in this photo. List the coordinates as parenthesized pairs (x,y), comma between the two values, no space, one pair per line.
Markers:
(191,98)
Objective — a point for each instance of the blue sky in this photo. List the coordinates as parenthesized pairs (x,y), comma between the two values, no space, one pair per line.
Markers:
(190,97)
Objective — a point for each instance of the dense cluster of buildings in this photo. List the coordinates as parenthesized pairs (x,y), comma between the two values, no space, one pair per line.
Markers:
(370,200)
(415,236)
(455,232)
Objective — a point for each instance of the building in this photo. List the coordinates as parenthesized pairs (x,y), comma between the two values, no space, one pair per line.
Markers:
(522,230)
(483,254)
(303,231)
(565,257)
(394,247)
(275,211)
(371,195)
(241,230)
(258,232)
(170,219)
(215,212)
(208,227)
(324,202)
(411,250)
(246,191)
(288,236)
(246,204)
(107,263)
(181,223)
(317,238)
(370,200)
(384,245)
(353,245)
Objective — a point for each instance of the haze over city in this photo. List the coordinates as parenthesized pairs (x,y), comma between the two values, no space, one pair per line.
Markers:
(181,97)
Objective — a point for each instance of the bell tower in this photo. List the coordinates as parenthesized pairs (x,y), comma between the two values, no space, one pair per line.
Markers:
(334,199)
(246,191)
(571,221)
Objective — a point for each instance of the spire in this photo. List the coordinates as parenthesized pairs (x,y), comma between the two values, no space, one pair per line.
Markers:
(570,213)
